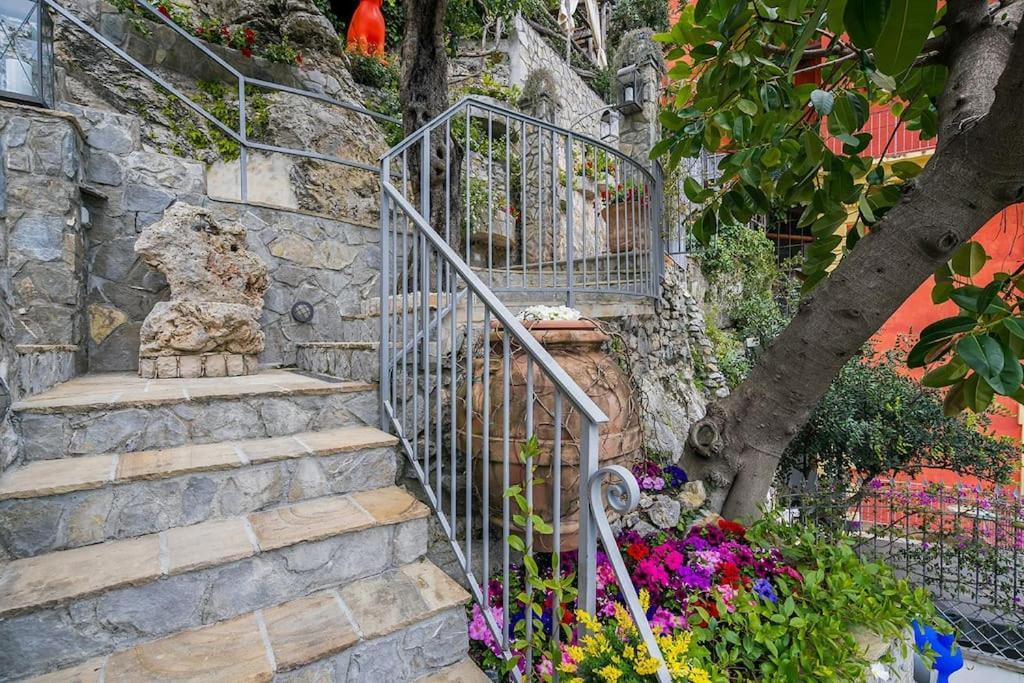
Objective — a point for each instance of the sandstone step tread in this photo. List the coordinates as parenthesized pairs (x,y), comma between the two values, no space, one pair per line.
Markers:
(107,391)
(52,477)
(36,582)
(255,646)
(465,671)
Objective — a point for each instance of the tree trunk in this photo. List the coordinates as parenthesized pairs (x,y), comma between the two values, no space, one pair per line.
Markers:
(977,170)
(424,95)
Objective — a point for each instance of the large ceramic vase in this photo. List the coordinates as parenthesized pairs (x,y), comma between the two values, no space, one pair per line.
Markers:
(623,225)
(576,345)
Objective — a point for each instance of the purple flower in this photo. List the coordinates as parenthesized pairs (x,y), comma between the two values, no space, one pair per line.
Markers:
(675,476)
(763,588)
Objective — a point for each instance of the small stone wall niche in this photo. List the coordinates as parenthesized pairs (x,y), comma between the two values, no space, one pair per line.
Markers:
(210,327)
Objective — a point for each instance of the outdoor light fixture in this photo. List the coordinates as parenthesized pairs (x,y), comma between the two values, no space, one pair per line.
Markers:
(609,125)
(26,52)
(630,89)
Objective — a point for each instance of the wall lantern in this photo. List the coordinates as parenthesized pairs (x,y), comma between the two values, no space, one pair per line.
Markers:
(609,127)
(630,89)
(26,52)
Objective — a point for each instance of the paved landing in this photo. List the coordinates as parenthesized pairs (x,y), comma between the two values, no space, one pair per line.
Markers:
(106,390)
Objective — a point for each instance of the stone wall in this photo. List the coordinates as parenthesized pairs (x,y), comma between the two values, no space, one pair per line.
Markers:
(42,256)
(576,100)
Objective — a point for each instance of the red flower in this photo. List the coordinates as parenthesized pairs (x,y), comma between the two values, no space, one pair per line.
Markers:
(247,52)
(730,573)
(731,527)
(250,36)
(225,31)
(638,551)
(298,59)
(164,11)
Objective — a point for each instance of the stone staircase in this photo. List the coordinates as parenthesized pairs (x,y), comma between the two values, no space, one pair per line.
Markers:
(229,529)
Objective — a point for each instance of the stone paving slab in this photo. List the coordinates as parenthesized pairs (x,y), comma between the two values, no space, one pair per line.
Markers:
(122,390)
(290,636)
(55,578)
(52,477)
(465,671)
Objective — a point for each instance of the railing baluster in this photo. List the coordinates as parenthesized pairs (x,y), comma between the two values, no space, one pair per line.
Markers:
(505,463)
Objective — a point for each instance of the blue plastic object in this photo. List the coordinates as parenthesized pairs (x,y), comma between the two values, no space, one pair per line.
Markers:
(948,657)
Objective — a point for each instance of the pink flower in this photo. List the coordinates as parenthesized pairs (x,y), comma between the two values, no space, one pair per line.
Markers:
(479,630)
(674,560)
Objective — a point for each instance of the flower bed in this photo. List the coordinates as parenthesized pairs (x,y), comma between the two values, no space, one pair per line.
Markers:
(768,604)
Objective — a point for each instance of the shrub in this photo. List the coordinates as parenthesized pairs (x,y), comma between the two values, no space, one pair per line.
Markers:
(632,14)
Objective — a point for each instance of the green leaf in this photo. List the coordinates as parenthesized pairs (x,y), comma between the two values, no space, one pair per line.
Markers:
(905,170)
(747,107)
(806,33)
(947,327)
(941,292)
(948,374)
(977,394)
(863,20)
(907,25)
(1014,326)
(969,259)
(985,355)
(822,101)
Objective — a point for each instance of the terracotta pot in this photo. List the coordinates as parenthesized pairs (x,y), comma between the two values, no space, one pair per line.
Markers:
(576,346)
(623,224)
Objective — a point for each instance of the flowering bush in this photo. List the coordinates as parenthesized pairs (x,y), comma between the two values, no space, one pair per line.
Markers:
(726,603)
(542,312)
(654,477)
(613,651)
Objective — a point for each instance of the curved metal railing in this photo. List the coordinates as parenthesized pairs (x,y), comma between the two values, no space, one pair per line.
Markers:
(537,209)
(239,136)
(453,357)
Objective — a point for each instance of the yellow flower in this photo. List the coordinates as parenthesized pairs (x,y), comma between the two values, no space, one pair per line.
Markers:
(623,620)
(645,600)
(699,676)
(609,674)
(575,653)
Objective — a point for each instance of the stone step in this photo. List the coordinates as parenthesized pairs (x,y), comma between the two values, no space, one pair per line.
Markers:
(349,360)
(464,671)
(118,412)
(50,505)
(64,607)
(406,624)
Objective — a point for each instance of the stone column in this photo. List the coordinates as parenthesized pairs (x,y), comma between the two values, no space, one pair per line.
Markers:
(639,131)
(42,252)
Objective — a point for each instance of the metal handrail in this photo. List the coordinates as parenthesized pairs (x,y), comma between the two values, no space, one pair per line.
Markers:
(239,136)
(479,103)
(500,311)
(428,405)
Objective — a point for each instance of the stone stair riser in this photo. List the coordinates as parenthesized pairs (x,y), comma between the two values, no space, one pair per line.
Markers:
(49,523)
(356,364)
(66,634)
(95,429)
(401,657)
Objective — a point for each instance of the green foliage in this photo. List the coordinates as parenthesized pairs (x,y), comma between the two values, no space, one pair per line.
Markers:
(874,421)
(756,294)
(809,633)
(627,15)
(220,100)
(372,70)
(464,19)
(489,86)
(738,94)
(977,353)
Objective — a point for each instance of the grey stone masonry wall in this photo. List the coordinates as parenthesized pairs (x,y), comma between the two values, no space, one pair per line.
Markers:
(528,52)
(42,260)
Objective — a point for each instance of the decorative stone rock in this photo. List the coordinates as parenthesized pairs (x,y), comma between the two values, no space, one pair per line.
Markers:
(692,495)
(664,512)
(203,259)
(185,327)
(217,289)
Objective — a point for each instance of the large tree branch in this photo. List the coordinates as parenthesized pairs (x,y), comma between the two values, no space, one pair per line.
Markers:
(982,134)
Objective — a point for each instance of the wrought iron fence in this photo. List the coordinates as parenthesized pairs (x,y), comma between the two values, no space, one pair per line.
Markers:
(964,544)
(449,351)
(535,208)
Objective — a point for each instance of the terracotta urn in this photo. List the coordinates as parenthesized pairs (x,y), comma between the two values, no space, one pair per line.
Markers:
(577,346)
(623,221)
